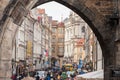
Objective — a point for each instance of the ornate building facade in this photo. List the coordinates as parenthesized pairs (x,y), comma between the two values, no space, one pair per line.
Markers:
(81,43)
(74,37)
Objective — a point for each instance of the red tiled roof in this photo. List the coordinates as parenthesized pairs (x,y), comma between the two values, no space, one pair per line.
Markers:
(61,24)
(41,11)
(80,42)
(54,23)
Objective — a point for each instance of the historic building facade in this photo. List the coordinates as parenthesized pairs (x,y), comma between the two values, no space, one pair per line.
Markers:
(33,38)
(81,43)
(101,15)
(74,37)
(93,50)
(54,38)
(58,41)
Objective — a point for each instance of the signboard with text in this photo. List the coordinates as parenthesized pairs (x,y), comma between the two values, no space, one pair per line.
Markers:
(29,49)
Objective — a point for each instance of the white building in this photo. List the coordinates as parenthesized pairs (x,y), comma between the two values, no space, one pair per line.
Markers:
(37,41)
(42,34)
(73,33)
(76,32)
(33,37)
(24,35)
(93,50)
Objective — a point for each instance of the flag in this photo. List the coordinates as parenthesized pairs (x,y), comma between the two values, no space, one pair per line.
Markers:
(46,53)
(39,18)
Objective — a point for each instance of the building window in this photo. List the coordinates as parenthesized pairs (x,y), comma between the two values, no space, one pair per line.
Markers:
(60,30)
(67,47)
(53,49)
(53,40)
(60,40)
(61,49)
(53,30)
(22,36)
(83,29)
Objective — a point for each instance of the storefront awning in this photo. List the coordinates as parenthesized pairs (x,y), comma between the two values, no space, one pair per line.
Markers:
(95,74)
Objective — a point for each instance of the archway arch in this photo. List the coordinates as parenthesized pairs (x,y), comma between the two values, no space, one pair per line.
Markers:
(87,9)
(81,8)
(90,17)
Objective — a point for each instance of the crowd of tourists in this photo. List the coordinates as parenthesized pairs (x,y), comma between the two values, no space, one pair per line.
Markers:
(60,75)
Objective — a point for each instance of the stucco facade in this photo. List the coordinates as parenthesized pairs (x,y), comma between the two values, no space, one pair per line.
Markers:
(73,34)
(101,15)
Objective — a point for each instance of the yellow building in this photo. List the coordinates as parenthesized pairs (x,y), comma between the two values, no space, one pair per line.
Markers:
(58,40)
(74,38)
(54,38)
(79,52)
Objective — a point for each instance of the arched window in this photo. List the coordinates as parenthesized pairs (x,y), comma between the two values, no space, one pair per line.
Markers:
(83,29)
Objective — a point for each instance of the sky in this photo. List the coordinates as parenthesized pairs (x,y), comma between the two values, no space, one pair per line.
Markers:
(57,11)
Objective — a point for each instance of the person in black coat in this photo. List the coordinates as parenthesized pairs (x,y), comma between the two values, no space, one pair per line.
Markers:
(37,77)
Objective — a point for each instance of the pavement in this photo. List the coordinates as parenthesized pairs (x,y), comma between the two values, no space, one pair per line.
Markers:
(28,78)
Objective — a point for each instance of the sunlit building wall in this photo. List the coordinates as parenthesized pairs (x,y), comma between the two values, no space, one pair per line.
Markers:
(36,33)
(43,32)
(93,50)
(19,45)
(54,38)
(60,42)
(37,41)
(97,55)
(73,33)
(24,35)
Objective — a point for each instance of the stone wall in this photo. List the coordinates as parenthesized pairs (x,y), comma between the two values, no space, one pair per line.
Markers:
(99,14)
(3,4)
(6,49)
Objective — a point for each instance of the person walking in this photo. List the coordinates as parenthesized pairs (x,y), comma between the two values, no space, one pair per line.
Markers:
(14,77)
(37,77)
(63,76)
(48,77)
(58,77)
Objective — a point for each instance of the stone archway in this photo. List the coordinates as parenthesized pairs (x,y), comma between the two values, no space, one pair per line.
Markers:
(99,14)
